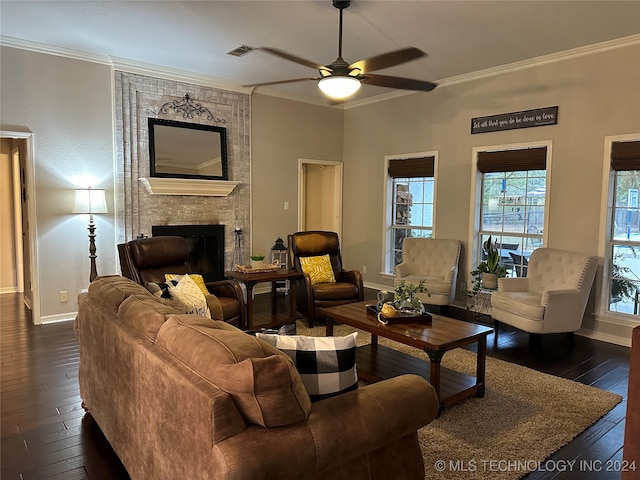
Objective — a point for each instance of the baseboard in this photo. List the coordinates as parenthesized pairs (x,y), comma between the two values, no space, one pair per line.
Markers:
(59,317)
(8,290)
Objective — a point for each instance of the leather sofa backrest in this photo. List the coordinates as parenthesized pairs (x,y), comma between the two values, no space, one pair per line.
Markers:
(314,243)
(152,257)
(554,269)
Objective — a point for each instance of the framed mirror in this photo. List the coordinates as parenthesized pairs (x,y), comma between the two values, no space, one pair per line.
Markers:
(187,150)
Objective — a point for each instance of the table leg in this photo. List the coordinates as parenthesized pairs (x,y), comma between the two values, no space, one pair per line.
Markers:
(435,357)
(292,300)
(274,299)
(329,328)
(249,286)
(481,365)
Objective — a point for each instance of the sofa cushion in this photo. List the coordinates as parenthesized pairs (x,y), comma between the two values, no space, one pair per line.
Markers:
(262,381)
(112,290)
(318,268)
(527,304)
(327,365)
(145,314)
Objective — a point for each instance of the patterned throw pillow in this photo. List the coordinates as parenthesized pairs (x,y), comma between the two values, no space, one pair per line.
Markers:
(183,294)
(194,276)
(318,268)
(327,365)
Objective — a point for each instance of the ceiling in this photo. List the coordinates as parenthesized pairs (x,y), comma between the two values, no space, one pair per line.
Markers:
(460,37)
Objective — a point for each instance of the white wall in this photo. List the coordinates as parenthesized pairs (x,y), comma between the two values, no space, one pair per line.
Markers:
(68,106)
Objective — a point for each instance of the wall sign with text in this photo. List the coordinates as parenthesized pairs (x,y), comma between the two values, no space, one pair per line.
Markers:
(511,121)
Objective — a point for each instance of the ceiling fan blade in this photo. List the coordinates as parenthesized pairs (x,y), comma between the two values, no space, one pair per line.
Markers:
(397,82)
(388,59)
(293,58)
(278,82)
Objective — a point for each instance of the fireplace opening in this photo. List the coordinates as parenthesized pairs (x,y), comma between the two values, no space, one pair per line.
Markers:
(206,247)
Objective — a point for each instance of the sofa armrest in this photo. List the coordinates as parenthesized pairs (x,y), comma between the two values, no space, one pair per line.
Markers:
(402,270)
(451,273)
(338,429)
(351,276)
(225,288)
(516,284)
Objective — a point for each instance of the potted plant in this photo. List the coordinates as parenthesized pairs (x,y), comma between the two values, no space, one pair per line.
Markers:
(405,299)
(487,272)
(622,287)
(257,260)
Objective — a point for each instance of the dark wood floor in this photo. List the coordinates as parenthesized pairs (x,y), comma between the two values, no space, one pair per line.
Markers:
(46,436)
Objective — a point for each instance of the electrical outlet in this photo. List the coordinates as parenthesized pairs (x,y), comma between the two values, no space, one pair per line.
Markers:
(364,269)
(463,287)
(64,296)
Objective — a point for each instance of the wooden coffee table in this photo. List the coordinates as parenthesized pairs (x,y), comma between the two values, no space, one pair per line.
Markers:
(376,362)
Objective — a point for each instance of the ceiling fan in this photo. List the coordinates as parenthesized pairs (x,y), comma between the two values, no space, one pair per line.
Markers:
(339,80)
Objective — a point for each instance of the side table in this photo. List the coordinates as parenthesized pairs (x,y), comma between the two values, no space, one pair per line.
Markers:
(482,305)
(251,279)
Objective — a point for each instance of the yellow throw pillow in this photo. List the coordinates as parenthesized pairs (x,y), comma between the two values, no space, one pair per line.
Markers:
(194,276)
(318,268)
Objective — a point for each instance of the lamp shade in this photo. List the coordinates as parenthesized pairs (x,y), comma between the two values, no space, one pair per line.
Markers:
(339,86)
(90,200)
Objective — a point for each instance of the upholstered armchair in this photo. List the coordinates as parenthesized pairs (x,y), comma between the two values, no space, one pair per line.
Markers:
(347,286)
(146,260)
(433,260)
(552,298)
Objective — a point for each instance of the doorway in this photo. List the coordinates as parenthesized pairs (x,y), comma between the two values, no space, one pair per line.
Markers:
(17,151)
(320,195)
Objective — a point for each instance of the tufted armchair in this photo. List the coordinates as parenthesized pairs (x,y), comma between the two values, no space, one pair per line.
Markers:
(348,286)
(552,298)
(434,260)
(146,260)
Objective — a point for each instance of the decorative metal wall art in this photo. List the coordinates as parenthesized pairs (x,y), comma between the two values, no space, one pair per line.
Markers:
(187,108)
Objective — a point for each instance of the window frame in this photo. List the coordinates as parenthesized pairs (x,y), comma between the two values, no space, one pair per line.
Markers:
(387,210)
(606,241)
(475,197)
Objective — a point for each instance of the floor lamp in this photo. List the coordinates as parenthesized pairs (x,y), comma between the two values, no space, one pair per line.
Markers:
(91,200)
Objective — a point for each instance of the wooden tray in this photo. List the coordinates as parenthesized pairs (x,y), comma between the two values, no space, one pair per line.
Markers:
(425,318)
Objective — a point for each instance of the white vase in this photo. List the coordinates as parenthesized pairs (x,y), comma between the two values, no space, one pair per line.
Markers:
(490,280)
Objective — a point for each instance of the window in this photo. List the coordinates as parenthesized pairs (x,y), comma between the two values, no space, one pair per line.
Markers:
(623,279)
(513,189)
(409,203)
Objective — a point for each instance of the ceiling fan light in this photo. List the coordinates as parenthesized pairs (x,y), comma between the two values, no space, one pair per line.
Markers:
(339,86)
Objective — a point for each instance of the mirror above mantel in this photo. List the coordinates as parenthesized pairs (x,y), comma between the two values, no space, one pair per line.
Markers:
(187,150)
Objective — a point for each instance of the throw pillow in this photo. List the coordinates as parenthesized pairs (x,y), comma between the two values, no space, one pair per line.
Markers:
(183,295)
(194,276)
(327,365)
(319,269)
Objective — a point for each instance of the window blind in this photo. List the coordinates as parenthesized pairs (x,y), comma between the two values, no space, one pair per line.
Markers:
(411,167)
(625,155)
(513,160)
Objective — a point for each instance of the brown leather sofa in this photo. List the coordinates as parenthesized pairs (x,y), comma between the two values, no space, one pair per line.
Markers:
(146,260)
(183,396)
(348,287)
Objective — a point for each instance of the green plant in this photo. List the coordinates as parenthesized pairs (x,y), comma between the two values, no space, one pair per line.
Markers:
(490,265)
(622,286)
(257,258)
(405,295)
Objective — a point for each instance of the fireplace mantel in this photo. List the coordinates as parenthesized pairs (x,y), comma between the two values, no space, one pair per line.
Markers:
(188,186)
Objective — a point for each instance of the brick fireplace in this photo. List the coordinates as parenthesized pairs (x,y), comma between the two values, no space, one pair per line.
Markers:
(139,97)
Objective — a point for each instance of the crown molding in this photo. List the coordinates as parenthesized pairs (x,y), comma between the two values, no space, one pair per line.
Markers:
(209,81)
(511,67)
(53,50)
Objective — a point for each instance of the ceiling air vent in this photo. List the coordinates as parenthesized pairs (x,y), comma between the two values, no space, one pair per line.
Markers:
(241,50)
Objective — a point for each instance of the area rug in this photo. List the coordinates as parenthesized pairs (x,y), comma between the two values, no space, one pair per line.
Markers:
(524,417)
